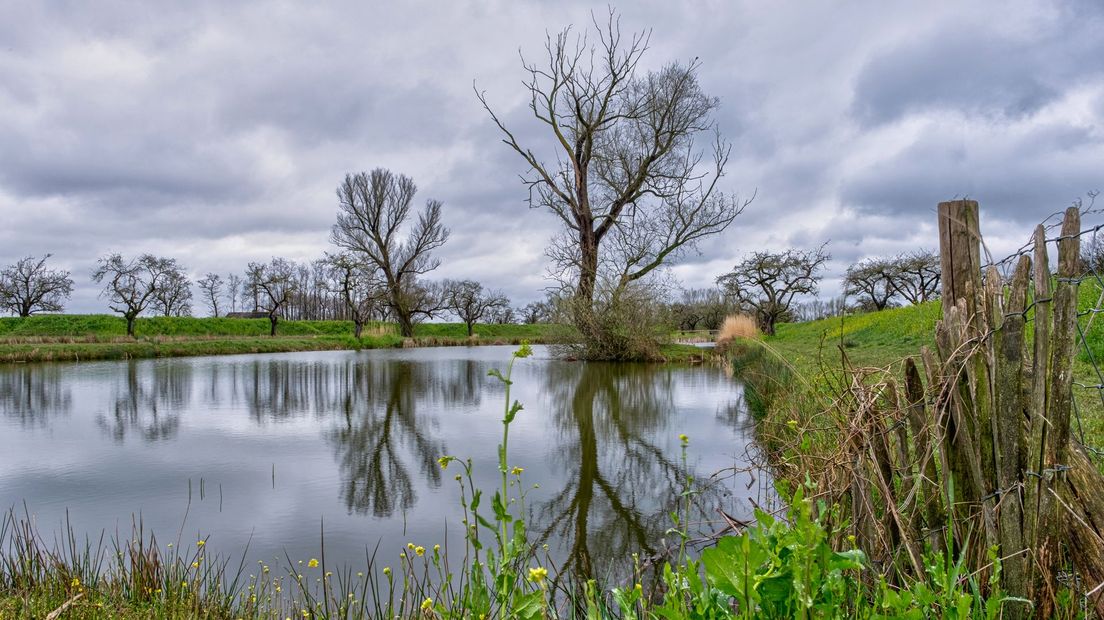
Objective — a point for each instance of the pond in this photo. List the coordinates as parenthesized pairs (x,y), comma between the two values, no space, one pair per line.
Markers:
(260,453)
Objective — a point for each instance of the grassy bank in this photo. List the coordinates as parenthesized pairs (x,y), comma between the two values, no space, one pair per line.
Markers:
(792,374)
(102,337)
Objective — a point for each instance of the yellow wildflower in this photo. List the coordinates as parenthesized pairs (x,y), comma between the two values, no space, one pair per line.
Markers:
(538,574)
(427,604)
(386,570)
(200,543)
(420,551)
(75,583)
(313,563)
(684,439)
(517,471)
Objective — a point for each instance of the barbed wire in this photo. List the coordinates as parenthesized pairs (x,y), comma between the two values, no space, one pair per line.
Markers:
(1089,273)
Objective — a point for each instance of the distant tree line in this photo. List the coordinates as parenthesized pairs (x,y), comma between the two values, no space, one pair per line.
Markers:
(373,277)
(781,287)
(375,273)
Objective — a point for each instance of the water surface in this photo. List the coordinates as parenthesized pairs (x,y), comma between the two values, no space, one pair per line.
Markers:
(265,449)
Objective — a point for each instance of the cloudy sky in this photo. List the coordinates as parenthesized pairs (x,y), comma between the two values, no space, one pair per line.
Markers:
(216,132)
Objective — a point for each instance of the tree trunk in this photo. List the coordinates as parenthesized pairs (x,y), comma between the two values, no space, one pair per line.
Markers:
(406,323)
(272,319)
(130,325)
(470,329)
(358,328)
(588,275)
(768,324)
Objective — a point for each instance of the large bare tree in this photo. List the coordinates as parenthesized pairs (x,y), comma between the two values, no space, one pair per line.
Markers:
(132,284)
(373,211)
(768,282)
(626,174)
(28,286)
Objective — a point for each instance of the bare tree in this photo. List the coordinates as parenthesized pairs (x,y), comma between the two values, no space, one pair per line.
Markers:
(373,210)
(502,315)
(817,309)
(471,303)
(131,284)
(768,282)
(871,281)
(233,290)
(251,291)
(360,289)
(275,285)
(28,286)
(210,286)
(536,312)
(630,184)
(702,308)
(915,276)
(173,296)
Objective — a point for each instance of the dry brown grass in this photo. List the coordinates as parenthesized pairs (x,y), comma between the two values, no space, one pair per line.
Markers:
(737,326)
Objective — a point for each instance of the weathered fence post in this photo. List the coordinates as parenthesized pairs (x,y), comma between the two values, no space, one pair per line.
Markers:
(968,429)
(986,449)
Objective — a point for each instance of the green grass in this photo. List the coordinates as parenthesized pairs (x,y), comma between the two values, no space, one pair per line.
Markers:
(870,339)
(791,371)
(75,337)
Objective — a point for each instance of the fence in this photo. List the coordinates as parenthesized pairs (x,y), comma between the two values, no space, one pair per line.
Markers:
(976,451)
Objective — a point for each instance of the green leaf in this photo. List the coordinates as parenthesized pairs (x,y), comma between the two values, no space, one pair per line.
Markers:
(529,606)
(494,372)
(514,409)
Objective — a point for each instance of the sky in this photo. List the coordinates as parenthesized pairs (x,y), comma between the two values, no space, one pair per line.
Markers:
(216,132)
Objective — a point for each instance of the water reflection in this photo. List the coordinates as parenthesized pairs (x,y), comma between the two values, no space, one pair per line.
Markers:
(619,485)
(380,417)
(30,393)
(148,404)
(356,437)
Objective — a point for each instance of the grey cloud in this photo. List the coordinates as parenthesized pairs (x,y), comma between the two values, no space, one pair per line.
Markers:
(1020,178)
(218,131)
(976,69)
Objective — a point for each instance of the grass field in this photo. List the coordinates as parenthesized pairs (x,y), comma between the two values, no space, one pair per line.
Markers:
(76,337)
(793,367)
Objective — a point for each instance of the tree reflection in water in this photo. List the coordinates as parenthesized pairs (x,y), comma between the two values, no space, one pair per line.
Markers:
(381,425)
(32,393)
(620,487)
(148,400)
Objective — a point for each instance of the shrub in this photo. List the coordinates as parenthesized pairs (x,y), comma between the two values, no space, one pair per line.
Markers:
(737,326)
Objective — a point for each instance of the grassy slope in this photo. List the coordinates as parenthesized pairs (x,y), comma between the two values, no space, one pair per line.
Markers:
(883,339)
(86,337)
